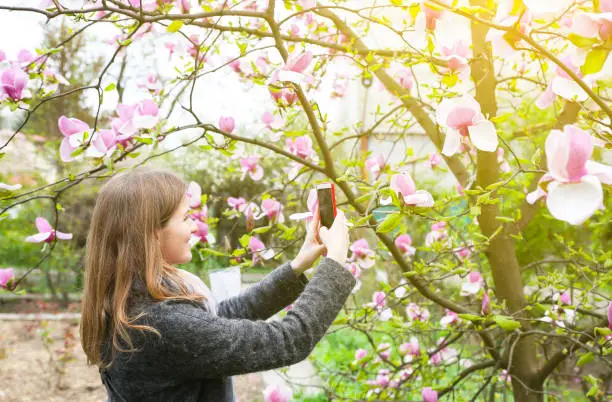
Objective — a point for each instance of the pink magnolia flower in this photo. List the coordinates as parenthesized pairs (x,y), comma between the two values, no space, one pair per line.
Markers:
(429,16)
(379,301)
(227,124)
(564,298)
(564,86)
(273,210)
(47,233)
(382,378)
(486,308)
(151,83)
(307,4)
(293,70)
(438,233)
(360,354)
(384,350)
(404,185)
(462,118)
(202,233)
(574,190)
(340,85)
(12,83)
(463,252)
(474,283)
(410,350)
(502,44)
(457,58)
(362,254)
(429,395)
(103,142)
(610,315)
(451,318)
(250,165)
(445,355)
(6,275)
(416,313)
(403,243)
(146,5)
(184,6)
(591,25)
(258,248)
(142,115)
(276,393)
(300,147)
(74,131)
(272,122)
(404,77)
(236,203)
(433,160)
(251,211)
(2,56)
(194,193)
(25,57)
(605,6)
(376,165)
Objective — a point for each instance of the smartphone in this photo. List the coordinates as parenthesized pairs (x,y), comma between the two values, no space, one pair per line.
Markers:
(326,196)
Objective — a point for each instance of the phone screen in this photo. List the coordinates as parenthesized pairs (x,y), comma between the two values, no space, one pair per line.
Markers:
(326,204)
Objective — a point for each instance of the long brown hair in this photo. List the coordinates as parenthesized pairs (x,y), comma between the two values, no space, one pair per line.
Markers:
(122,247)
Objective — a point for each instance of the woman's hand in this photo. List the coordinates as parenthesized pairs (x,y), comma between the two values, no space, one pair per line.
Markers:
(336,239)
(312,247)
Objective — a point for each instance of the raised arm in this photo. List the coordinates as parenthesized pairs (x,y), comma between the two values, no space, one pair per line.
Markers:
(259,302)
(198,344)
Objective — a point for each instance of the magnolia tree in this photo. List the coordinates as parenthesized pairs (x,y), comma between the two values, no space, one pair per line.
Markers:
(507,286)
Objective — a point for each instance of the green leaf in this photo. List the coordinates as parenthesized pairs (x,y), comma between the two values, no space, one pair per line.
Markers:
(585,359)
(175,26)
(594,60)
(244,240)
(144,140)
(506,323)
(581,41)
(390,223)
(603,331)
(470,317)
(450,80)
(110,87)
(262,229)
(396,2)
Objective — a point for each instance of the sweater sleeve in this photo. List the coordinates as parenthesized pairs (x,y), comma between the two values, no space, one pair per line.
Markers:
(198,344)
(259,302)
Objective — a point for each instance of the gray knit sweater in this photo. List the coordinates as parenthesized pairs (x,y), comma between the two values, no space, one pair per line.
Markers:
(199,351)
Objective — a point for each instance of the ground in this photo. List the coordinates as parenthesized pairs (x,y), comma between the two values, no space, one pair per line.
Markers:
(29,371)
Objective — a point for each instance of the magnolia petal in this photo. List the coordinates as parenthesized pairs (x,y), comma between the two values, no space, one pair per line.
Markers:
(575,202)
(443,110)
(366,263)
(145,121)
(300,215)
(547,98)
(43,225)
(484,136)
(38,237)
(194,192)
(291,76)
(257,174)
(451,143)
(62,235)
(66,150)
(535,195)
(583,24)
(385,315)
(568,89)
(420,198)
(470,288)
(4,186)
(601,171)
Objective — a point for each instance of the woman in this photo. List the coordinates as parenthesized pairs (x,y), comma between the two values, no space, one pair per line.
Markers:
(155,331)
